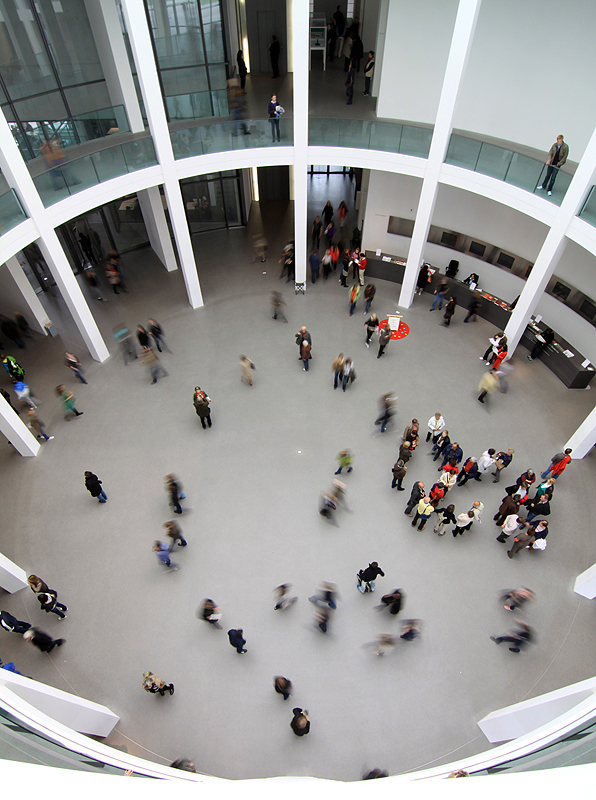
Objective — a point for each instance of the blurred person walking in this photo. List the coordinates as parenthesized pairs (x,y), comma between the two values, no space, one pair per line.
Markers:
(519,637)
(277,302)
(515,598)
(93,486)
(41,640)
(162,551)
(283,686)
(125,339)
(174,532)
(393,601)
(237,640)
(173,487)
(354,295)
(154,685)
(73,363)
(153,365)
(68,401)
(211,613)
(282,597)
(369,295)
(345,458)
(246,369)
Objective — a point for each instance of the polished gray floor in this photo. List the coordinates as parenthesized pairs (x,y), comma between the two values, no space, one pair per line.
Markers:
(252,485)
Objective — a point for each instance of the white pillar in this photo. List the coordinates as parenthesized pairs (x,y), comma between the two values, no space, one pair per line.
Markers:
(140,42)
(553,247)
(300,25)
(18,177)
(380,46)
(107,35)
(584,439)
(15,430)
(12,577)
(461,42)
(585,584)
(157,227)
(16,270)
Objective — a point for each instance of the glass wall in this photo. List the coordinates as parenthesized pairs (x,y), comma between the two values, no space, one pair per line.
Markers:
(51,78)
(189,45)
(213,201)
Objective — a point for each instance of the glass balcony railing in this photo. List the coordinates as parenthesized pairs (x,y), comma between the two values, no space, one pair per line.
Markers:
(239,135)
(390,137)
(508,166)
(11,211)
(79,174)
(588,212)
(197,105)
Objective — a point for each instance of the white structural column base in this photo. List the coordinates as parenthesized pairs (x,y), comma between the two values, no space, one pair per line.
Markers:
(301,74)
(15,430)
(520,719)
(157,227)
(12,577)
(585,584)
(75,712)
(584,439)
(461,43)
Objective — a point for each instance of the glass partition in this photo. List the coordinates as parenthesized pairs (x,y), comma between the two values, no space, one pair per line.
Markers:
(239,135)
(506,165)
(390,137)
(588,212)
(11,211)
(74,176)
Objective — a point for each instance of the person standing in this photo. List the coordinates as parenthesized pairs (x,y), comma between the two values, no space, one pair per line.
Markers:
(283,686)
(521,541)
(509,526)
(351,77)
(369,69)
(68,400)
(441,445)
(242,70)
(435,425)
(557,156)
(509,505)
(93,486)
(416,496)
(274,52)
(469,471)
(154,685)
(301,336)
(156,331)
(445,516)
(368,576)
(315,265)
(361,268)
(542,340)
(384,337)
(463,523)
(305,355)
(246,369)
(440,293)
(162,551)
(237,640)
(557,465)
(73,363)
(274,115)
(485,462)
(340,22)
(42,640)
(345,268)
(349,374)
(424,278)
(201,403)
(399,473)
(338,369)
(502,461)
(493,347)
(450,310)
(369,296)
(316,230)
(48,601)
(424,512)
(37,426)
(300,723)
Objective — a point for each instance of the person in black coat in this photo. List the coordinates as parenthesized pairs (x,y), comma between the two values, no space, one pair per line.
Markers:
(274,51)
(367,577)
(12,624)
(546,337)
(49,602)
(41,640)
(93,486)
(237,640)
(393,601)
(415,497)
(473,307)
(142,336)
(300,723)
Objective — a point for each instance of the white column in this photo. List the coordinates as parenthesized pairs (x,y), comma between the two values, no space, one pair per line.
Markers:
(157,227)
(584,439)
(140,42)
(380,46)
(461,42)
(585,584)
(300,25)
(15,430)
(18,178)
(107,34)
(553,247)
(12,577)
(29,296)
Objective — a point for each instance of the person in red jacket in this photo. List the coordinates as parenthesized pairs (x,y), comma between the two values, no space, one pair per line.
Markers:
(557,464)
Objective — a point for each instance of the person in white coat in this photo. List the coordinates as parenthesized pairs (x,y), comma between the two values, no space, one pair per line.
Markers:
(435,425)
(485,462)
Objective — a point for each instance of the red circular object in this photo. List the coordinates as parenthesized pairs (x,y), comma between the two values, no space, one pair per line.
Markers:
(401,332)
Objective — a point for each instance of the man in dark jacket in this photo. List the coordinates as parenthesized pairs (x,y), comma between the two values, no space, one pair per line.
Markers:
(366,577)
(237,640)
(451,453)
(93,486)
(12,624)
(41,640)
(415,498)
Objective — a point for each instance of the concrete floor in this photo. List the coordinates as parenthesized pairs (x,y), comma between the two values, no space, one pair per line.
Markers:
(253,483)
